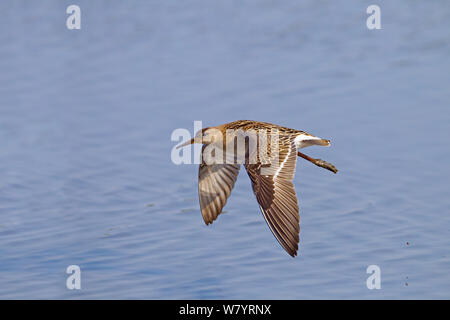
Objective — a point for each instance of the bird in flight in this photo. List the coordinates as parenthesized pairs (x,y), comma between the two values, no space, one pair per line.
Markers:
(269,153)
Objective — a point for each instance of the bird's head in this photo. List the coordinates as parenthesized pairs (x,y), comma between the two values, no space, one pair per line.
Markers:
(205,136)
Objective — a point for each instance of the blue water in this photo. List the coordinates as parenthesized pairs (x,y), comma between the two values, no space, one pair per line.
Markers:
(86,176)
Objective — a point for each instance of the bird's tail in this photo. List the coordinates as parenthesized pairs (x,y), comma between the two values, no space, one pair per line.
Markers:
(304,140)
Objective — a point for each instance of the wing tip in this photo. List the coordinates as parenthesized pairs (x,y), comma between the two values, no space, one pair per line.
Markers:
(208,221)
(293,254)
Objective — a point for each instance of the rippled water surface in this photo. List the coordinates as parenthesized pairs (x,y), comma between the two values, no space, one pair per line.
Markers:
(86,118)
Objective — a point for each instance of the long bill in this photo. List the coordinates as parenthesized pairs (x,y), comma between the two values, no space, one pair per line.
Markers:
(189,142)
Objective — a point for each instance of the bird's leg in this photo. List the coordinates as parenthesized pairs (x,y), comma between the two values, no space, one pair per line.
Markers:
(319,162)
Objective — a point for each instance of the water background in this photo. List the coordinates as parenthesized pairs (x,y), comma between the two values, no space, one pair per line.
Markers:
(86,118)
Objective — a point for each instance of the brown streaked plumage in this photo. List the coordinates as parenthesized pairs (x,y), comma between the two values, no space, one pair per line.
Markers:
(270,164)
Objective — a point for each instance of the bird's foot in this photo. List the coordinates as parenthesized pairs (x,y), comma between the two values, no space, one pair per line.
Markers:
(326,165)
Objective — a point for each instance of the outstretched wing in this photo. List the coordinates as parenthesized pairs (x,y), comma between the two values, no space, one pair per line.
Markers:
(276,195)
(215,183)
